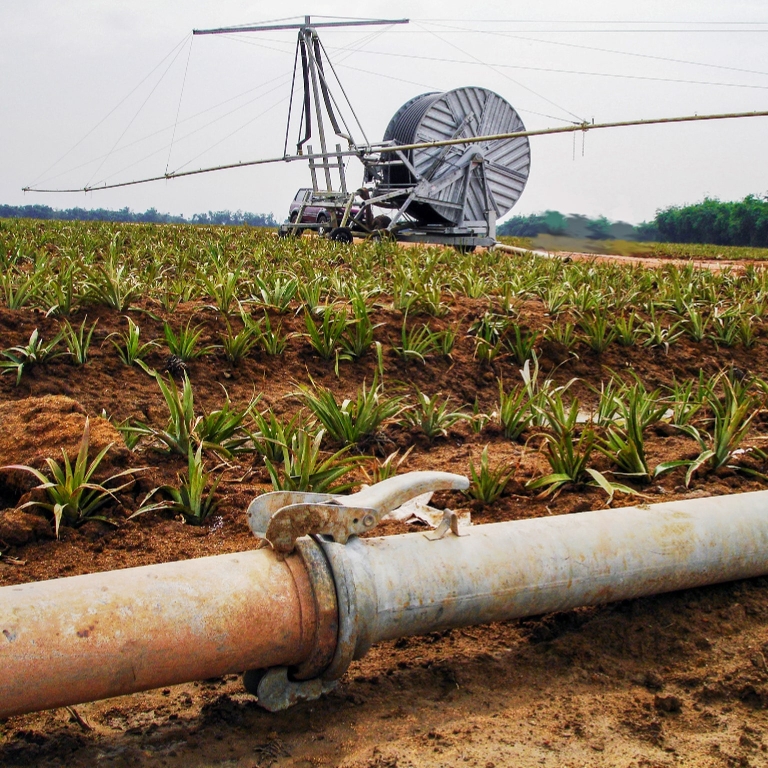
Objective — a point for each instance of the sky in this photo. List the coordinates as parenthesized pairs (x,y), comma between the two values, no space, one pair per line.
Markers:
(96,90)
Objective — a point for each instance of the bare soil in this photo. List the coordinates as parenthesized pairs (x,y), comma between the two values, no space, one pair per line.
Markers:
(650,262)
(673,680)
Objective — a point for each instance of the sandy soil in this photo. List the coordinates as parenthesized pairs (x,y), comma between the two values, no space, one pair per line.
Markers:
(680,679)
(716,265)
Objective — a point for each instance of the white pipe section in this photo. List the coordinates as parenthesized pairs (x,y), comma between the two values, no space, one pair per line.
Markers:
(408,584)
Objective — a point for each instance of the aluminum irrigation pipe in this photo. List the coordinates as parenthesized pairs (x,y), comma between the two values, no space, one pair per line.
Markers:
(89,637)
(377,148)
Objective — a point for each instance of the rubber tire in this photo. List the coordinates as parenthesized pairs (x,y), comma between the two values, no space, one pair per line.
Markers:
(341,235)
(296,232)
(323,221)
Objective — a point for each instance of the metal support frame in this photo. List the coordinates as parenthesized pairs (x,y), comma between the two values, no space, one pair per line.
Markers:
(330,190)
(458,233)
(318,106)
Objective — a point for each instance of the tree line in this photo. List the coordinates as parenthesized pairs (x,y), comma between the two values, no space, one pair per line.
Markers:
(571,225)
(744,222)
(740,223)
(151,216)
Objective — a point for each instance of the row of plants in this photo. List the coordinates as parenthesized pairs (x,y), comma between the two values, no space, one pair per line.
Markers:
(348,333)
(326,445)
(62,268)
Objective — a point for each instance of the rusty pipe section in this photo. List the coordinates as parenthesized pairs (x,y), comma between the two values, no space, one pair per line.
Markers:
(409,585)
(297,621)
(89,637)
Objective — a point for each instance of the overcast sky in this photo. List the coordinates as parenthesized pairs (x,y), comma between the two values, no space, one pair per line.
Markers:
(96,90)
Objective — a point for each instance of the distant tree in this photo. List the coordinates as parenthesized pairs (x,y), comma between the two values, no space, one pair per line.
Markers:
(647,231)
(555,223)
(744,222)
(599,228)
(522,226)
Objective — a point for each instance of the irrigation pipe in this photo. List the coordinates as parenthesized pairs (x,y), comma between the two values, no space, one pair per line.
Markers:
(297,620)
(383,149)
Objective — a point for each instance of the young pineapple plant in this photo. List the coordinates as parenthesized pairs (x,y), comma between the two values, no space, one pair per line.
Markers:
(351,422)
(132,351)
(276,292)
(569,450)
(73,495)
(432,415)
(624,440)
(598,330)
(190,499)
(111,284)
(78,341)
(221,431)
(35,352)
(732,414)
(238,345)
(416,343)
(184,345)
(271,435)
(305,467)
(325,337)
(358,336)
(488,484)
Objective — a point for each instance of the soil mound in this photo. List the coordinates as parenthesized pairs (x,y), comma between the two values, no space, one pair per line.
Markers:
(36,428)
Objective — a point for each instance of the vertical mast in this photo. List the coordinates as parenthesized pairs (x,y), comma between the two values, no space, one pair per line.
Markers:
(317,95)
(309,35)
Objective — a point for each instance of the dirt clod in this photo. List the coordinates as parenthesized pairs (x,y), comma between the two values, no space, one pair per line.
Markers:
(667,703)
(18,527)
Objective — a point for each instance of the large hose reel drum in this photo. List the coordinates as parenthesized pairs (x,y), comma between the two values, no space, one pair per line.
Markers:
(485,177)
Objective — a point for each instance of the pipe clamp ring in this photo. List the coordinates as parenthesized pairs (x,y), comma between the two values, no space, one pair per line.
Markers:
(326,627)
(346,599)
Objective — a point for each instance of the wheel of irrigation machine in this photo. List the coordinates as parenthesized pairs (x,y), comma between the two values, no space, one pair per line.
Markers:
(341,235)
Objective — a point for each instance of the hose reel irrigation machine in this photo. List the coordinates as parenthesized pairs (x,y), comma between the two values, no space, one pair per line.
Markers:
(440,193)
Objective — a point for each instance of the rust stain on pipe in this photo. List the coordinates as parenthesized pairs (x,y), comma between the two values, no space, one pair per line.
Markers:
(89,637)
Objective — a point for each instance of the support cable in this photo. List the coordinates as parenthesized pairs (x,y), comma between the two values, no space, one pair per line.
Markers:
(229,135)
(444,60)
(511,79)
(178,108)
(381,74)
(290,100)
(344,93)
(526,38)
(210,123)
(173,174)
(185,120)
(113,110)
(138,111)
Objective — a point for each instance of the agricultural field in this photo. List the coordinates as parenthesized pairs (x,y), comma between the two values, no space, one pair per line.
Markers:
(214,364)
